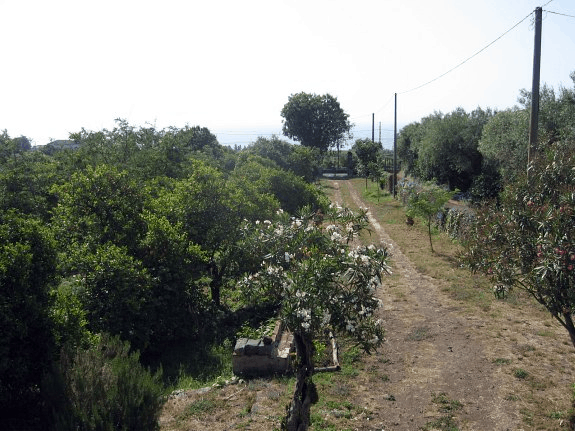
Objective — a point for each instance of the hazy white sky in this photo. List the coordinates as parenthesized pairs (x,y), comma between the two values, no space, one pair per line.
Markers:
(231,66)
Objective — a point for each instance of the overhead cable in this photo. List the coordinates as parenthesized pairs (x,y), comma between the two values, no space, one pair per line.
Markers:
(562,14)
(466,60)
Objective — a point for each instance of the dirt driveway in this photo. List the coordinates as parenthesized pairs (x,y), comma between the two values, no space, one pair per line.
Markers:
(445,365)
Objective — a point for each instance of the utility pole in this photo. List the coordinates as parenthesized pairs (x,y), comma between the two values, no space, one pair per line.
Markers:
(372,127)
(394,176)
(380,132)
(534,120)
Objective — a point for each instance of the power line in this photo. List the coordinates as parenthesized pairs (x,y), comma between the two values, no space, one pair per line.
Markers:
(562,14)
(467,59)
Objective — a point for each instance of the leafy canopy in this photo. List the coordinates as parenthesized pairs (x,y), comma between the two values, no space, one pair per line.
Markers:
(528,240)
(315,121)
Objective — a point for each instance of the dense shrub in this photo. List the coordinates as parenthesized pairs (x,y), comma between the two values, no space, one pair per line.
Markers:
(103,388)
(27,268)
(455,222)
(527,240)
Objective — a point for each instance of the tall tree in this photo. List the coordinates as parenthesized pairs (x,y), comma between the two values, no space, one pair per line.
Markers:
(315,121)
(366,152)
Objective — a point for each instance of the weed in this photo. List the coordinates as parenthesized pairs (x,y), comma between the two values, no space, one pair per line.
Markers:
(445,404)
(444,423)
(520,373)
(202,407)
(502,361)
(351,355)
(544,333)
(319,423)
(419,334)
(447,407)
(527,416)
(251,400)
(556,415)
(341,389)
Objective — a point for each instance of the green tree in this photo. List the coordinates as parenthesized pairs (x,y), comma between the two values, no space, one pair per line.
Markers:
(116,292)
(556,111)
(503,142)
(527,240)
(99,205)
(302,161)
(290,191)
(12,147)
(25,183)
(367,153)
(409,141)
(315,121)
(448,151)
(426,201)
(319,282)
(27,271)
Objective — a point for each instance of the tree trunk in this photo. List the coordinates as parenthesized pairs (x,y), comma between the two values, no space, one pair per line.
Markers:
(429,231)
(305,394)
(570,326)
(216,283)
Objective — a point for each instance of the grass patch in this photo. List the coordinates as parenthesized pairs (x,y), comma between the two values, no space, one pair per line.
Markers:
(419,334)
(447,407)
(520,373)
(202,407)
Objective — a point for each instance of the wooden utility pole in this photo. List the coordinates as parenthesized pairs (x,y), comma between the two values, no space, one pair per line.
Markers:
(534,121)
(394,176)
(372,127)
(380,132)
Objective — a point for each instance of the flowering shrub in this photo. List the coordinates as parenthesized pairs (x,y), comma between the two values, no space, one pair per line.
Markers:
(528,240)
(320,280)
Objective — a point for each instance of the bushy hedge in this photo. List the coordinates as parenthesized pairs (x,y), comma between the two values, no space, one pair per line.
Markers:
(103,388)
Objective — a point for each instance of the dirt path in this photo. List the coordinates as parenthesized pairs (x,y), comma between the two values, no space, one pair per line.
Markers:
(447,364)
(430,349)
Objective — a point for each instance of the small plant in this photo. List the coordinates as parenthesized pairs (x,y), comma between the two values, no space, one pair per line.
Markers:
(502,361)
(265,329)
(427,203)
(571,412)
(202,407)
(419,334)
(447,407)
(520,373)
